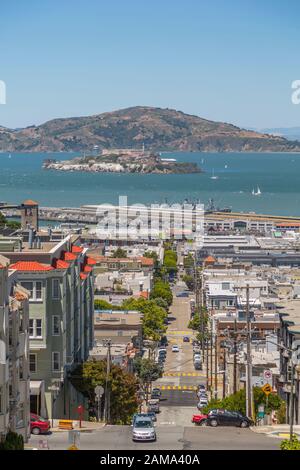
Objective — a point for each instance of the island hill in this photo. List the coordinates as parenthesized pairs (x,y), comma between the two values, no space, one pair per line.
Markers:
(159,129)
(123,161)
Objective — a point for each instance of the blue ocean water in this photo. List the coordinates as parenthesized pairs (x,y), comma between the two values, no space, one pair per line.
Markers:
(276,174)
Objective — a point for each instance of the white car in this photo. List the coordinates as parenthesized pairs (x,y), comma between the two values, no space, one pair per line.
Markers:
(197,357)
(202,402)
(175,348)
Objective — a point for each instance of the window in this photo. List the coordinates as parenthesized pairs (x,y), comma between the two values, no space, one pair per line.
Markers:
(55,361)
(38,327)
(32,363)
(55,289)
(35,290)
(31,328)
(55,325)
(35,328)
(38,290)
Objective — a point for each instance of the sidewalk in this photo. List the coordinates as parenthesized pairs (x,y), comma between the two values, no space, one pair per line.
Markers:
(86,426)
(276,430)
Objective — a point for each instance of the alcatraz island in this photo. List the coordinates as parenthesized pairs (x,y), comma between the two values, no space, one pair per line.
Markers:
(123,161)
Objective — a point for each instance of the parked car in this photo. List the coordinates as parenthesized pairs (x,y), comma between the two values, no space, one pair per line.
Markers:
(197,356)
(202,387)
(175,348)
(39,425)
(182,294)
(155,395)
(198,365)
(186,339)
(196,349)
(153,405)
(228,418)
(200,419)
(203,401)
(143,430)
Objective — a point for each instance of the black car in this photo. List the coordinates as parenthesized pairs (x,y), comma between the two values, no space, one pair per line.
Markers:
(228,418)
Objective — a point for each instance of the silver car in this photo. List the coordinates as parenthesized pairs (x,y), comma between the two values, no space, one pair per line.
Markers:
(143,430)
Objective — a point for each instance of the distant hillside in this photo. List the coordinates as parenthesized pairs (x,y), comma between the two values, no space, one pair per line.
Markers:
(290,133)
(158,129)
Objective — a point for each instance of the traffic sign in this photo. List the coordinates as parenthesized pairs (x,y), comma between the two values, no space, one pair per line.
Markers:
(268,376)
(99,390)
(267,389)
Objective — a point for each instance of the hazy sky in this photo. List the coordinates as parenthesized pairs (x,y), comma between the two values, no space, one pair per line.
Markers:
(226,60)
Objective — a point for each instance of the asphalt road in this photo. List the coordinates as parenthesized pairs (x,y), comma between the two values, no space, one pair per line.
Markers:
(168,438)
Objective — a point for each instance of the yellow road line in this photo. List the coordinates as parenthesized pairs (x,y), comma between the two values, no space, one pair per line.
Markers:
(178,387)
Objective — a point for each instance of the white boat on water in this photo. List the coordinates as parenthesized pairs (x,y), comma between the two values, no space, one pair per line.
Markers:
(213,176)
(257,192)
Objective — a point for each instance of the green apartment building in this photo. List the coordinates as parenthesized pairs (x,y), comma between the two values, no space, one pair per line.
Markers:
(59,278)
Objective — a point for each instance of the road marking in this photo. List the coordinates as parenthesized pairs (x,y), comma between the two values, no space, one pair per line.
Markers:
(183,374)
(178,387)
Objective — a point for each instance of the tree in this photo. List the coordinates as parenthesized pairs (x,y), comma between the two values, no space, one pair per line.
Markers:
(122,385)
(101,304)
(188,261)
(170,261)
(162,289)
(190,281)
(153,318)
(119,253)
(237,402)
(147,370)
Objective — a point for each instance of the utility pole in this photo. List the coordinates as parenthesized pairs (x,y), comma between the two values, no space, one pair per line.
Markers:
(107,387)
(249,358)
(235,358)
(211,358)
(291,410)
(216,362)
(224,373)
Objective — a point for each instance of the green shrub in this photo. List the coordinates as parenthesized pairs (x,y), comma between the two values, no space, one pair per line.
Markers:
(13,441)
(293,444)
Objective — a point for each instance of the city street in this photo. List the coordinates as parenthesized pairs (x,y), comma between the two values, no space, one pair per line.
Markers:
(169,437)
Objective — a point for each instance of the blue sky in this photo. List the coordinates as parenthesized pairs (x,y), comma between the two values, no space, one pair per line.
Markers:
(230,60)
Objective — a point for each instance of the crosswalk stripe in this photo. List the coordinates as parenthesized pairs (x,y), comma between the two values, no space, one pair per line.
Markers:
(183,374)
(178,387)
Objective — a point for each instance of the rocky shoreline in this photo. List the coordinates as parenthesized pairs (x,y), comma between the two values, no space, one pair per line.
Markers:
(93,166)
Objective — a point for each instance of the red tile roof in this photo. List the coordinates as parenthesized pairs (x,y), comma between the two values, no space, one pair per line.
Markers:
(147,261)
(83,276)
(91,261)
(87,269)
(210,259)
(60,264)
(68,256)
(77,249)
(31,266)
(30,202)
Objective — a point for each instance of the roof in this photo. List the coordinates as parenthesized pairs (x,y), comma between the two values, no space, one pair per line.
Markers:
(91,261)
(31,266)
(83,276)
(210,259)
(288,224)
(144,294)
(68,256)
(30,202)
(87,269)
(147,261)
(60,264)
(77,249)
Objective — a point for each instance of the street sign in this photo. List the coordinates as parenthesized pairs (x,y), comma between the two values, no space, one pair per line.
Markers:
(267,389)
(261,411)
(99,390)
(268,376)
